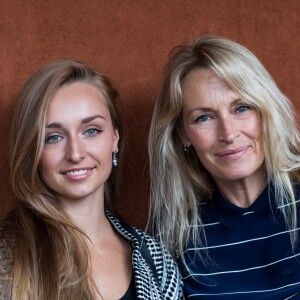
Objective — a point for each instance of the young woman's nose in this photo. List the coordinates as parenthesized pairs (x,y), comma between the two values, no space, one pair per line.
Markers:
(75,151)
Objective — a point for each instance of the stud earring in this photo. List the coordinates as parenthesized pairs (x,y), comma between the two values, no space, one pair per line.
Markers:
(186,148)
(115,158)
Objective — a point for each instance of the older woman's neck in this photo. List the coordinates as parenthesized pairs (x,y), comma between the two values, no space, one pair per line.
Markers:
(243,192)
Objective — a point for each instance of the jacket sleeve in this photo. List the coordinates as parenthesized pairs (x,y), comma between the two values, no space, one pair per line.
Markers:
(169,278)
(171,283)
(6,263)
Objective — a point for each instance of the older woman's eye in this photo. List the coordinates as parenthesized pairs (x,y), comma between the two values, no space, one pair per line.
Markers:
(52,139)
(243,108)
(202,118)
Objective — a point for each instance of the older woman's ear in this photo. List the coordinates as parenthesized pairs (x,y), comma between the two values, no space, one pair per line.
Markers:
(184,138)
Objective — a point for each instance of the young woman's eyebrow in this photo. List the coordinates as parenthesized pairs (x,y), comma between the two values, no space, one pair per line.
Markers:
(92,118)
(84,121)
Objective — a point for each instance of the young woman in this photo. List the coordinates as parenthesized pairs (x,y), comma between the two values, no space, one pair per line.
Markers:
(225,161)
(60,242)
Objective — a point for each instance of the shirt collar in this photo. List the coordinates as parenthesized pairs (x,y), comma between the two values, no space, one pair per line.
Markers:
(229,214)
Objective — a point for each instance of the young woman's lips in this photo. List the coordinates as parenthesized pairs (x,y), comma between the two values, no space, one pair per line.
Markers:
(77,174)
(231,155)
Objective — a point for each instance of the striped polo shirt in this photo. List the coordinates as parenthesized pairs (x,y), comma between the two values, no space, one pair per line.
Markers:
(250,255)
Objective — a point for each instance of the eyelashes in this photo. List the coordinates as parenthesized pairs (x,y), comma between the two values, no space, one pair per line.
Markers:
(203,118)
(92,132)
(242,108)
(54,138)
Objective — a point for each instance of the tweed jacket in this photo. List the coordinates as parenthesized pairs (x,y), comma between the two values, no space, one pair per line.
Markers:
(164,283)
(6,262)
(167,285)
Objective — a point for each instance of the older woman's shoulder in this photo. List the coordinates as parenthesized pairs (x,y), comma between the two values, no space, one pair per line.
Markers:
(297,188)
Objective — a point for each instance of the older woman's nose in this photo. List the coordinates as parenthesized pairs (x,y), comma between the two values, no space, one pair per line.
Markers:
(228,130)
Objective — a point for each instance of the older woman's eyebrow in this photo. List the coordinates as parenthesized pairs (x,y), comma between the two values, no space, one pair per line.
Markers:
(234,101)
(83,121)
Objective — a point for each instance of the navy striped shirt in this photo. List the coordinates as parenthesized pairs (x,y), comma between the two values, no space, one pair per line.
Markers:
(250,253)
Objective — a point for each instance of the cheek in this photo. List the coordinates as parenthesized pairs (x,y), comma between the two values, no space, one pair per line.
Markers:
(48,158)
(47,164)
(254,131)
(252,126)
(258,131)
(101,152)
(202,140)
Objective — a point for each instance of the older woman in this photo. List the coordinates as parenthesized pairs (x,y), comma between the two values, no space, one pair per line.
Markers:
(61,242)
(225,160)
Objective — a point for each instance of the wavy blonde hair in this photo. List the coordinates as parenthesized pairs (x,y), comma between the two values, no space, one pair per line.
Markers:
(50,259)
(179,182)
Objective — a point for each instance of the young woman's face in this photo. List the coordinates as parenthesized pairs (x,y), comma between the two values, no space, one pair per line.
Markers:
(224,130)
(80,138)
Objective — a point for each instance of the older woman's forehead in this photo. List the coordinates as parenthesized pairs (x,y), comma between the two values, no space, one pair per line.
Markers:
(204,81)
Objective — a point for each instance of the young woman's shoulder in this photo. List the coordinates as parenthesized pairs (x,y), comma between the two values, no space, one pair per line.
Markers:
(7,242)
(160,263)
(7,237)
(140,237)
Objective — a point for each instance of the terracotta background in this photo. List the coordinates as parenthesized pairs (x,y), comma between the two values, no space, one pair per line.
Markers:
(129,40)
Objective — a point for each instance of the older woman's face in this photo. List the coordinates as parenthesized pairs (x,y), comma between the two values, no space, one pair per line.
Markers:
(224,129)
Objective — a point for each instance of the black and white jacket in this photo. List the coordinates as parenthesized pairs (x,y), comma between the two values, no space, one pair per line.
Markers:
(162,283)
(156,274)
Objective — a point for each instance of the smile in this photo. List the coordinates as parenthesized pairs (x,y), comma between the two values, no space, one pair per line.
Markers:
(234,154)
(77,172)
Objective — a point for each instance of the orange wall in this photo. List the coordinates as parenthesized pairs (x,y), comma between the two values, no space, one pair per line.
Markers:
(129,40)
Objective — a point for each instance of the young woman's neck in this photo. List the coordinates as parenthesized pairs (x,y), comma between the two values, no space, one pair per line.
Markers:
(89,216)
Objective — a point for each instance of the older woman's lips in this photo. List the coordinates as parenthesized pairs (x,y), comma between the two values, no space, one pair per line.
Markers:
(231,155)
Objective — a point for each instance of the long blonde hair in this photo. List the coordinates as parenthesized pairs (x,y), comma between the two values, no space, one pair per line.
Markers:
(50,259)
(179,182)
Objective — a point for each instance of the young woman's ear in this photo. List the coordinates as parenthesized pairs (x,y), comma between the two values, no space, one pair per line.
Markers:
(116,139)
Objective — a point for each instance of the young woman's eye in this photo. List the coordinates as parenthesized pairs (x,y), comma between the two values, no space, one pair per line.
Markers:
(202,118)
(92,132)
(52,139)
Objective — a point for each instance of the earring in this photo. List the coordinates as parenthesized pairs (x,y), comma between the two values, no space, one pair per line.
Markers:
(186,148)
(115,158)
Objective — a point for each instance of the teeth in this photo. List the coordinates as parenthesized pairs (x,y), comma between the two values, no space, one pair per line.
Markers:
(78,172)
